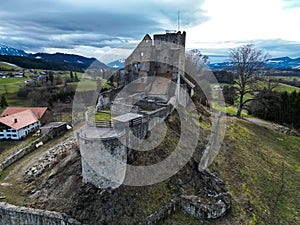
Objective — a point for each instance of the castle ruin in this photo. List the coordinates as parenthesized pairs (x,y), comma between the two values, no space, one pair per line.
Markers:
(152,84)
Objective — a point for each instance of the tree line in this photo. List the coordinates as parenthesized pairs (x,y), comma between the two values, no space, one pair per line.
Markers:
(282,108)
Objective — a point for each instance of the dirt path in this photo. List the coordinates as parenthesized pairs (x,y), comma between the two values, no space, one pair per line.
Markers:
(12,180)
(258,121)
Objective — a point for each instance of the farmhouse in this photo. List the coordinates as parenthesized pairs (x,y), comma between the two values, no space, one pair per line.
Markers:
(17,122)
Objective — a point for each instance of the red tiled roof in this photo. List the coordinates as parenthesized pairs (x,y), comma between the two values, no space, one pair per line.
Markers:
(38,111)
(19,120)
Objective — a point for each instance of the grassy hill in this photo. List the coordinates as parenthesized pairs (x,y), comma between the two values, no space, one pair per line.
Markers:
(262,170)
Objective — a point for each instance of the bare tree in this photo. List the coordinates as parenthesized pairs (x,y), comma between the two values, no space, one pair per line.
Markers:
(247,62)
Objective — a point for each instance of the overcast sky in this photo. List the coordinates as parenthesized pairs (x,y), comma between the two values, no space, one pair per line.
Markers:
(106,29)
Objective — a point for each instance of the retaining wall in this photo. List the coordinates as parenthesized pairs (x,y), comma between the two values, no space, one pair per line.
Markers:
(15,215)
(24,151)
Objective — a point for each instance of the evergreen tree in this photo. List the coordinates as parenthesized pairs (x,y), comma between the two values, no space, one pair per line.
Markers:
(3,102)
(71,76)
(76,78)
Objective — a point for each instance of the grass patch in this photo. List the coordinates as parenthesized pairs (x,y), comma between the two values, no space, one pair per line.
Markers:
(232,110)
(102,116)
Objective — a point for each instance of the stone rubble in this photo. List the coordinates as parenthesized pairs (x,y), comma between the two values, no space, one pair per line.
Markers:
(49,158)
(285,130)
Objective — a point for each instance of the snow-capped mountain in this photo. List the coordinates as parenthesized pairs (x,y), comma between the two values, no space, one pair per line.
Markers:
(276,63)
(5,50)
(284,63)
(118,64)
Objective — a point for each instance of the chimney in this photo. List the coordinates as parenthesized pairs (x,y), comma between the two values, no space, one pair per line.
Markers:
(16,120)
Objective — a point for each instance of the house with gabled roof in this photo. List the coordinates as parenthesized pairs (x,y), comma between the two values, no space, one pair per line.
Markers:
(17,122)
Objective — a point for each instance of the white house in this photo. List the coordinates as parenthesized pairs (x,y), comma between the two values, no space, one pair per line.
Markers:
(18,125)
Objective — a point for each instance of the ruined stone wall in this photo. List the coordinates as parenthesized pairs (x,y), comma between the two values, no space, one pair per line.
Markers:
(105,98)
(218,203)
(219,199)
(161,214)
(15,215)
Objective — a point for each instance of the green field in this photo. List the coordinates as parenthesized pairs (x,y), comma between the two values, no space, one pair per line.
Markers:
(4,66)
(287,88)
(11,85)
(287,78)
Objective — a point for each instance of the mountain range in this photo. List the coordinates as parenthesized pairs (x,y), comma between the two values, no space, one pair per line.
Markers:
(118,64)
(5,50)
(48,61)
(77,62)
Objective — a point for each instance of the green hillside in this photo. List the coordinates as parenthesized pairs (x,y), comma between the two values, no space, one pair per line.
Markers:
(262,170)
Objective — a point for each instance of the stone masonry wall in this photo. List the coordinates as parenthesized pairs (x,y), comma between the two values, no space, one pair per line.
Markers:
(15,215)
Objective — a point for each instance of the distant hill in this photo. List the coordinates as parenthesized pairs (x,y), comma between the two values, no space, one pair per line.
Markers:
(118,64)
(5,50)
(31,63)
(76,61)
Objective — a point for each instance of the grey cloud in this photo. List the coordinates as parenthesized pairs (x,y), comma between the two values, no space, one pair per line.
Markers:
(37,24)
(279,47)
